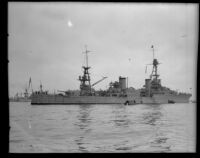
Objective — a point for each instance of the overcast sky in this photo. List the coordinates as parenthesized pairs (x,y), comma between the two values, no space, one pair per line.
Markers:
(46,41)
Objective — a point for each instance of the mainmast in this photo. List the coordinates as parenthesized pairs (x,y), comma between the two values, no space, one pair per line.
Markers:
(86,55)
(153,84)
(85,85)
(155,66)
(153,51)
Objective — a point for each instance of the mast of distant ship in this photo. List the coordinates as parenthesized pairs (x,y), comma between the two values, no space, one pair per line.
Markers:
(41,87)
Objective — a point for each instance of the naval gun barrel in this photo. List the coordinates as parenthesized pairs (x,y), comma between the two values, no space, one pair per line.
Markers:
(99,81)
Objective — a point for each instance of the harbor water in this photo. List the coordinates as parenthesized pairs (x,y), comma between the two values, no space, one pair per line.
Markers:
(102,128)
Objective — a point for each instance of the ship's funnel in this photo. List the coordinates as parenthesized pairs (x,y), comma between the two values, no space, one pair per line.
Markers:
(122,82)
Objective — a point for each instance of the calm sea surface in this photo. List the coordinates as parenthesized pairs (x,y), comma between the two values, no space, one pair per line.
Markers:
(102,128)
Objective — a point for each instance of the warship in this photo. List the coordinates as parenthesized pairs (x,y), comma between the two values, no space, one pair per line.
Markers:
(117,93)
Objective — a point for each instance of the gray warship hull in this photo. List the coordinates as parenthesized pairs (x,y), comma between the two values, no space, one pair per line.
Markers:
(161,99)
(156,99)
(56,99)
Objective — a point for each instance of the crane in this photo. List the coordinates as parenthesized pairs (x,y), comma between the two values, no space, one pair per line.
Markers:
(99,81)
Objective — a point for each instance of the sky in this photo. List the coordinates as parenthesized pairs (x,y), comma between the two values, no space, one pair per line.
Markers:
(47,40)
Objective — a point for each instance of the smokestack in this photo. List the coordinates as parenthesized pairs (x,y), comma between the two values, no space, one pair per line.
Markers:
(127,83)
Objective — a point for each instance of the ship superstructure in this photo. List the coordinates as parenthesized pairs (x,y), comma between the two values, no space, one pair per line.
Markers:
(85,86)
(153,83)
(154,92)
(115,94)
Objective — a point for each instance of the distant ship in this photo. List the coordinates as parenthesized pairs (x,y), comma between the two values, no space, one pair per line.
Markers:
(117,93)
(22,97)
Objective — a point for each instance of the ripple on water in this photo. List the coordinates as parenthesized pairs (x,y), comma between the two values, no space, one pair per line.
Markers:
(16,141)
(105,128)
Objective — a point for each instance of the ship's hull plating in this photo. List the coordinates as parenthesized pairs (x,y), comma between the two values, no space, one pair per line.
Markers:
(156,99)
(53,99)
(160,99)
(20,100)
(164,99)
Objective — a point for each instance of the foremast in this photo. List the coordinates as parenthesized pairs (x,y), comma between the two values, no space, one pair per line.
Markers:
(85,86)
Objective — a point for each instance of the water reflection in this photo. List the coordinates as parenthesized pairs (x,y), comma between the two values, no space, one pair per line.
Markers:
(121,117)
(83,123)
(153,117)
